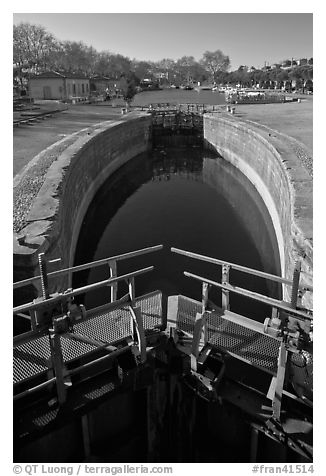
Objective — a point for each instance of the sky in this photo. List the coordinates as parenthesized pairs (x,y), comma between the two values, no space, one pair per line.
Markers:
(247,38)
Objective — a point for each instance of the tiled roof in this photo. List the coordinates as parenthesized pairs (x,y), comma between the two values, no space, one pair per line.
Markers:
(55,74)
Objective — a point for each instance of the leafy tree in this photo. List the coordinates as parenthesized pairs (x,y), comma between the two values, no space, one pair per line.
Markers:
(102,63)
(132,83)
(142,69)
(118,65)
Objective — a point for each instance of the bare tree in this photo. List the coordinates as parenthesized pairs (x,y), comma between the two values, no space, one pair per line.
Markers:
(215,62)
(32,45)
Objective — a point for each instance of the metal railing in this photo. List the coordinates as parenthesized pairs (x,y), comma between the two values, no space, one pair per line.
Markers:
(280,325)
(64,315)
(34,306)
(174,107)
(226,287)
(111,262)
(53,325)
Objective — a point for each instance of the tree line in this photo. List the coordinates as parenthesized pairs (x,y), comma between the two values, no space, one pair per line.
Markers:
(36,50)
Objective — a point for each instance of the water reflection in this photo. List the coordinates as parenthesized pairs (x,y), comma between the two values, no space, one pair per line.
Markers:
(190,199)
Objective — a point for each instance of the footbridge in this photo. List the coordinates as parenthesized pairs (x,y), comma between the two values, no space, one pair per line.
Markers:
(74,360)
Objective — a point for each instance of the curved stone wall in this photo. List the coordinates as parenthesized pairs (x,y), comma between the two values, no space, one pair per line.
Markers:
(71,182)
(284,185)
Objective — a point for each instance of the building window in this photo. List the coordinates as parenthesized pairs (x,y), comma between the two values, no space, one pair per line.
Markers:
(87,87)
(69,89)
(83,88)
(74,89)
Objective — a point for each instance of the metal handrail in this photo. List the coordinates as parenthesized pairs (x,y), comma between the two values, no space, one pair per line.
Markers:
(90,265)
(252,295)
(74,292)
(238,267)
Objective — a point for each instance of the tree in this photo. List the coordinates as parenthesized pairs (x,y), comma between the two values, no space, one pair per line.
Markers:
(166,64)
(102,63)
(77,57)
(215,62)
(132,83)
(32,46)
(142,69)
(118,65)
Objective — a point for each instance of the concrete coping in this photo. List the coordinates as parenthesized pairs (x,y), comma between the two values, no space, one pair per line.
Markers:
(299,179)
(36,188)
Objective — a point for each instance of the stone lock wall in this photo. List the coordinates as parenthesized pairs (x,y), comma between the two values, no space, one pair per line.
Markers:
(55,219)
(53,223)
(282,182)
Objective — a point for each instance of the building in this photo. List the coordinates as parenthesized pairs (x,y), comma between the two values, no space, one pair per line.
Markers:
(62,86)
(99,84)
(117,86)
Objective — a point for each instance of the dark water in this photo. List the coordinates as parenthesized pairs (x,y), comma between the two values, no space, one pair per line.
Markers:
(187,198)
(177,96)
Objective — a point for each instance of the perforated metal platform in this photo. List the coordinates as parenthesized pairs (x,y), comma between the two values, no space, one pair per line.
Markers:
(151,310)
(187,311)
(106,326)
(257,349)
(33,357)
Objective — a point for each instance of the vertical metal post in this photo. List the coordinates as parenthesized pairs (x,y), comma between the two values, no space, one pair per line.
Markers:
(113,274)
(44,276)
(139,332)
(58,364)
(253,444)
(33,315)
(225,293)
(131,290)
(137,321)
(197,335)
(295,284)
(281,367)
(205,289)
(86,438)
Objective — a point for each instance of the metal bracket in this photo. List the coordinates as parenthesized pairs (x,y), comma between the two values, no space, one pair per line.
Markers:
(139,333)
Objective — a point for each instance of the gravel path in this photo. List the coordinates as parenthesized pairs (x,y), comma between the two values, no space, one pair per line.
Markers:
(28,188)
(298,148)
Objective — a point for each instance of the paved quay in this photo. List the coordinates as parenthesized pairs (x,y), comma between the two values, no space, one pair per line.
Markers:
(294,119)
(31,139)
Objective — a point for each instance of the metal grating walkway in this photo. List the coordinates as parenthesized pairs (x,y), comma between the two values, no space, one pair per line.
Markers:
(33,357)
(260,350)
(251,346)
(187,311)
